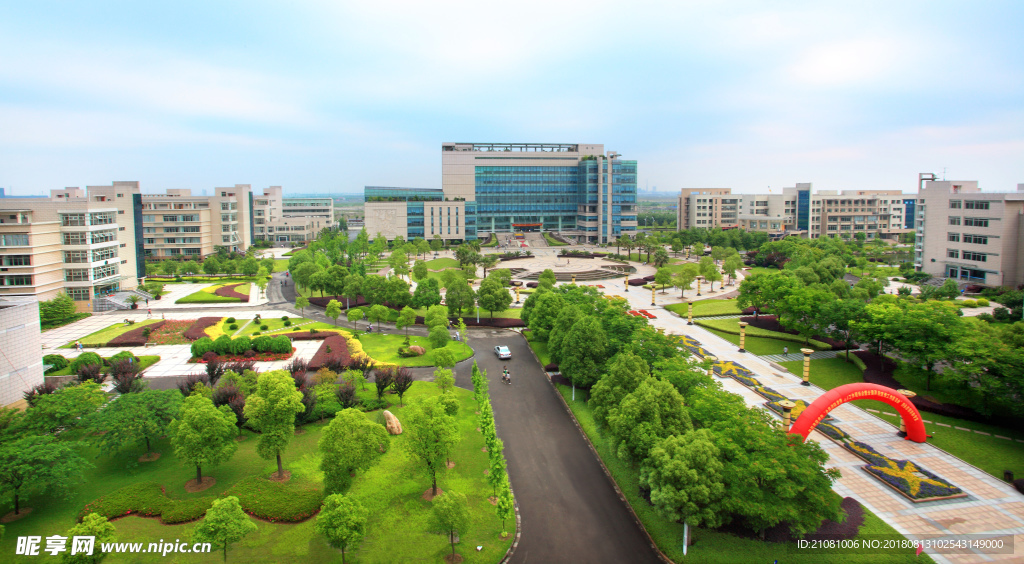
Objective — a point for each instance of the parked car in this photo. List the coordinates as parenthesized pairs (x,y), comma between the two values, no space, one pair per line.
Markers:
(502,352)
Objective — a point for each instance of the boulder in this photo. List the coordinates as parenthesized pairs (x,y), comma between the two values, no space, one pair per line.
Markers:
(417,349)
(392,424)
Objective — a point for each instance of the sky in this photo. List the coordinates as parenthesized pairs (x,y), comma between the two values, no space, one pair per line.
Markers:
(332,96)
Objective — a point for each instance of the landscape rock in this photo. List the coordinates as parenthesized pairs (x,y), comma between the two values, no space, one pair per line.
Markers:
(417,349)
(392,424)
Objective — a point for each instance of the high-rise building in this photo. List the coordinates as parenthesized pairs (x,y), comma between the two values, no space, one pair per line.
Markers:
(276,218)
(577,190)
(85,243)
(970,235)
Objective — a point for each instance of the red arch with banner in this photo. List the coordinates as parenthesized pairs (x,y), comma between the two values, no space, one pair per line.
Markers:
(835,397)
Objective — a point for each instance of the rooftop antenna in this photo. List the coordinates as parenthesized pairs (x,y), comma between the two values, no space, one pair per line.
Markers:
(943,173)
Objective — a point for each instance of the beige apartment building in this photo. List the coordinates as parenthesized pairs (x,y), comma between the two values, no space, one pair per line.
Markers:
(81,242)
(708,208)
(970,235)
(21,365)
(280,219)
(178,224)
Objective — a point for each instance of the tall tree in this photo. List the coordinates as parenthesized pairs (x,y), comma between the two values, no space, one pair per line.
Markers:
(406,318)
(684,475)
(732,263)
(353,315)
(203,434)
(38,464)
(427,293)
(588,343)
(420,271)
(684,278)
(401,383)
(450,515)
(66,408)
(653,411)
(663,278)
(225,523)
(488,262)
(432,435)
(493,296)
(302,303)
(353,288)
(342,521)
(505,505)
(93,526)
(625,373)
(333,310)
(349,443)
(660,256)
(134,418)
(378,313)
(271,412)
(459,296)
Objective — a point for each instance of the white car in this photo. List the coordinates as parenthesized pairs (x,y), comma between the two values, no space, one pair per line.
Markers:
(502,352)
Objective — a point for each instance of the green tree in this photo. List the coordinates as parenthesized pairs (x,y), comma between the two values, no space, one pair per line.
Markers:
(39,464)
(928,331)
(450,515)
(432,435)
(302,303)
(684,475)
(250,266)
(488,262)
(169,267)
(225,523)
(406,318)
(544,308)
(838,318)
(625,373)
(505,505)
(189,267)
(548,276)
(698,249)
(588,344)
(95,526)
(436,316)
(427,293)
(801,310)
(732,264)
(353,288)
(422,246)
(466,255)
(134,418)
(378,313)
(420,271)
(663,278)
(203,434)
(354,315)
(333,310)
(271,412)
(211,266)
(436,243)
(653,411)
(60,307)
(438,337)
(443,357)
(342,521)
(493,296)
(443,378)
(349,443)
(685,277)
(660,256)
(66,408)
(564,322)
(398,292)
(459,297)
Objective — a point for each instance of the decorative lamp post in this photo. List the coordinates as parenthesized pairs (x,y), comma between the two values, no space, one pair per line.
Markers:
(698,285)
(517,294)
(626,282)
(573,278)
(743,336)
(787,409)
(903,426)
(807,366)
(689,312)
(652,295)
(711,367)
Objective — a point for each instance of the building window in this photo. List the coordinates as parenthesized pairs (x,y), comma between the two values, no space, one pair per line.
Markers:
(976,204)
(74,238)
(954,220)
(76,274)
(977,257)
(17,260)
(102,237)
(975,222)
(77,294)
(952,253)
(955,204)
(20,280)
(953,237)
(976,239)
(72,219)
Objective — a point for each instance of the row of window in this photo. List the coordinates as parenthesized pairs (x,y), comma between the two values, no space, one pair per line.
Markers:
(85,274)
(171,218)
(966,255)
(83,219)
(87,238)
(14,240)
(17,260)
(969,221)
(16,280)
(969,204)
(967,238)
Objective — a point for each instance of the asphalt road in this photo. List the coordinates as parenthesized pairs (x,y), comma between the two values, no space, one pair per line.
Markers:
(570,513)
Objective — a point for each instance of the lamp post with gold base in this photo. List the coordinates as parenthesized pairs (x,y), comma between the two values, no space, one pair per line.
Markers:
(807,367)
(743,336)
(689,312)
(517,294)
(711,367)
(787,409)
(903,426)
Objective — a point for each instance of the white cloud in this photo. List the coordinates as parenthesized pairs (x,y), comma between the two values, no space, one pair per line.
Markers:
(851,63)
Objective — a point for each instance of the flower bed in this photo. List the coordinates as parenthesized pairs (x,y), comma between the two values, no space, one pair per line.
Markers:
(833,432)
(769,394)
(135,338)
(532,284)
(649,278)
(171,332)
(801,405)
(228,291)
(771,323)
(198,328)
(307,335)
(496,322)
(551,367)
(338,346)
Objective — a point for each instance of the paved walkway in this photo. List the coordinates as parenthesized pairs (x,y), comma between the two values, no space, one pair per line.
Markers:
(799,356)
(992,507)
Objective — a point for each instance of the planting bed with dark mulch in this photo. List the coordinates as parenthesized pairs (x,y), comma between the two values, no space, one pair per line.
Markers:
(771,323)
(829,530)
(229,291)
(135,338)
(532,284)
(307,335)
(339,352)
(487,322)
(323,301)
(198,329)
(637,281)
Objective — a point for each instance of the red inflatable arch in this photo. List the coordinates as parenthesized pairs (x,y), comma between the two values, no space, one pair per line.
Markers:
(835,397)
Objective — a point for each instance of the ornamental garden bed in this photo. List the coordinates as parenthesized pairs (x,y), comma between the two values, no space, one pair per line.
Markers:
(232,291)
(637,281)
(323,301)
(198,328)
(334,349)
(136,337)
(262,349)
(172,332)
(258,357)
(217,294)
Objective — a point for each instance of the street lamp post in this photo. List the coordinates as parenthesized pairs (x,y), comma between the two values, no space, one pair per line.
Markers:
(711,367)
(517,294)
(689,312)
(698,285)
(787,410)
(652,295)
(903,426)
(807,367)
(626,282)
(743,335)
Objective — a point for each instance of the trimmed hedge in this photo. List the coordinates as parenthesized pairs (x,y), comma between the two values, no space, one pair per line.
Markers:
(771,323)
(225,345)
(323,301)
(779,336)
(135,337)
(83,359)
(197,330)
(57,361)
(277,502)
(148,500)
(496,322)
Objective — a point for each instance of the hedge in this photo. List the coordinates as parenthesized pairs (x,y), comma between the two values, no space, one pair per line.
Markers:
(277,502)
(148,500)
(135,337)
(757,332)
(323,301)
(83,359)
(198,329)
(226,345)
(56,361)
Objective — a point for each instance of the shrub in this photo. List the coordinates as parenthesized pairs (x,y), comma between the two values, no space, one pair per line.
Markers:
(83,359)
(262,343)
(970,303)
(240,345)
(983,302)
(233,326)
(264,327)
(201,346)
(214,370)
(287,323)
(249,353)
(210,356)
(188,383)
(404,352)
(240,366)
(256,334)
(230,320)
(284,318)
(346,394)
(126,376)
(373,404)
(44,389)
(148,499)
(56,361)
(987,317)
(281,344)
(123,355)
(1001,314)
(93,372)
(222,345)
(439,336)
(276,502)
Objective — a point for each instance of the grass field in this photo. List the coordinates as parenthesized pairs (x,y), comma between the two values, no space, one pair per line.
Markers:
(713,547)
(758,341)
(541,350)
(762,270)
(280,265)
(443,262)
(984,451)
(707,308)
(391,490)
(207,296)
(272,323)
(385,348)
(103,336)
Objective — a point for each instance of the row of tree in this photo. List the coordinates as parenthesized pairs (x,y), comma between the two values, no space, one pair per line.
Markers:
(497,474)
(249,266)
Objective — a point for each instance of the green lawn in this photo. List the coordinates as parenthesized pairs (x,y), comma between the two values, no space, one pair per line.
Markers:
(552,242)
(391,490)
(711,546)
(758,341)
(103,336)
(385,348)
(984,451)
(541,350)
(209,280)
(707,308)
(762,270)
(272,323)
(144,362)
(207,296)
(442,263)
(280,265)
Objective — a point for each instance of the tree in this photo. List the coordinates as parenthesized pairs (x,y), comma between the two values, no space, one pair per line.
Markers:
(134,418)
(459,296)
(698,249)
(375,289)
(466,255)
(353,315)
(564,322)
(333,310)
(438,336)
(38,464)
(66,408)
(493,296)
(653,411)
(663,278)
(225,522)
(685,277)
(838,317)
(378,313)
(406,318)
(732,264)
(443,357)
(271,412)
(449,515)
(302,303)
(189,267)
(342,521)
(422,246)
(927,334)
(436,315)
(547,276)
(398,292)
(427,293)
(211,266)
(60,307)
(432,435)
(436,243)
(625,373)
(99,529)
(203,434)
(588,344)
(660,256)
(353,288)
(250,266)
(349,443)
(303,274)
(505,505)
(800,311)
(169,267)
(443,379)
(420,271)
(684,475)
(488,262)
(401,382)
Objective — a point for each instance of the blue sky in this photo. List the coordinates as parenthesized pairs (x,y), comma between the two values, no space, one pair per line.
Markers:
(332,96)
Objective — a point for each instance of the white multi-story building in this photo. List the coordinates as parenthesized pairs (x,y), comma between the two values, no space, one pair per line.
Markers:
(708,208)
(21,364)
(970,235)
(276,218)
(178,224)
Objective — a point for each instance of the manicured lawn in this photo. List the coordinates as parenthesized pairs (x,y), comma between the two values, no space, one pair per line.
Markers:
(762,270)
(984,451)
(144,363)
(103,336)
(758,341)
(44,327)
(207,295)
(442,263)
(205,280)
(280,265)
(711,546)
(385,348)
(541,350)
(552,242)
(391,490)
(272,323)
(707,308)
